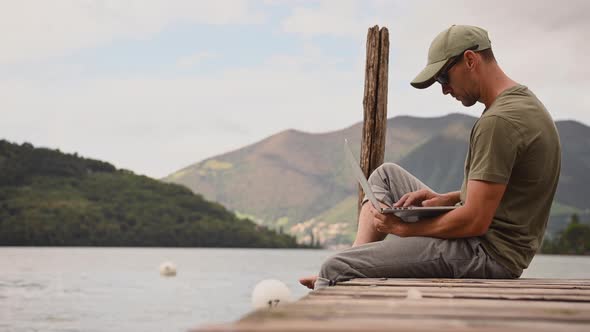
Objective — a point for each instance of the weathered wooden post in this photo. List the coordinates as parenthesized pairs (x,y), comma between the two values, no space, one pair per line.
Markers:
(374,102)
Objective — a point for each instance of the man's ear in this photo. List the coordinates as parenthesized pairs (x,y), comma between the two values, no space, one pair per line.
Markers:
(471,59)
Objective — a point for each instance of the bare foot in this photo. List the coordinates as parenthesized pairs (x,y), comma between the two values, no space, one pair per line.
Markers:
(308,282)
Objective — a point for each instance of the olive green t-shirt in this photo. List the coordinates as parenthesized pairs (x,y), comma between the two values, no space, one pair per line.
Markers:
(515,142)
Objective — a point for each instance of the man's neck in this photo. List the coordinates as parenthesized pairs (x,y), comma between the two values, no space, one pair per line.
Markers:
(494,82)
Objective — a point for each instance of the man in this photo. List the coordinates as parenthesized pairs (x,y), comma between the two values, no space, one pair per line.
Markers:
(511,173)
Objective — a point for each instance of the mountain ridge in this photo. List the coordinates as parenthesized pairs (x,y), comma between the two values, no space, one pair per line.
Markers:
(294,176)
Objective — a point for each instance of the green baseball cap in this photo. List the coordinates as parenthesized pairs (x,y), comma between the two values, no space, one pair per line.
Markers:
(448,44)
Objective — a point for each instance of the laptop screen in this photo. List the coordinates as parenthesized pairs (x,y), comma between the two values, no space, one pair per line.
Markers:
(360,176)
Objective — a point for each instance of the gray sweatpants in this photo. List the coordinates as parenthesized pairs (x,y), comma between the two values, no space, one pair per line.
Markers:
(411,257)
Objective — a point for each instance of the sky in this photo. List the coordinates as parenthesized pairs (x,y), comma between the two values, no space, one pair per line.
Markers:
(153,86)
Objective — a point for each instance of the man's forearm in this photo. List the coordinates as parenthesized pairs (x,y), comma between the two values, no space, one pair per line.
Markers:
(472,219)
(458,223)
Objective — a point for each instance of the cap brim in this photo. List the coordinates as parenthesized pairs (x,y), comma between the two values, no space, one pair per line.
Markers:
(426,77)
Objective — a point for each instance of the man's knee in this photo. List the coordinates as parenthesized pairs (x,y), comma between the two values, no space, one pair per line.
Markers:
(385,171)
(332,267)
(336,268)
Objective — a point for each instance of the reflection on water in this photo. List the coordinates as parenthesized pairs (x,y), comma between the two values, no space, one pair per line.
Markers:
(120,289)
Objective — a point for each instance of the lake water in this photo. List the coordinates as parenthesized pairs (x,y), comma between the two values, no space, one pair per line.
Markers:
(120,289)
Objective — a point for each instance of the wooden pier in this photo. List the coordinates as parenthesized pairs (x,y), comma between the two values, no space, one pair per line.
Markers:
(455,305)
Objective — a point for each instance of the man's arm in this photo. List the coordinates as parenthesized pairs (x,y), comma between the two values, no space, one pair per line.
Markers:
(472,219)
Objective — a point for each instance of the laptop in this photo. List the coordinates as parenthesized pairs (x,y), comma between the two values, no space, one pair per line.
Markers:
(407,214)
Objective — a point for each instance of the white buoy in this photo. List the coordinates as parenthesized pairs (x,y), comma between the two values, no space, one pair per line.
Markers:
(168,269)
(270,293)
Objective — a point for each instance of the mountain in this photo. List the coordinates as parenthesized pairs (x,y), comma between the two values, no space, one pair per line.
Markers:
(574,182)
(302,181)
(298,175)
(51,198)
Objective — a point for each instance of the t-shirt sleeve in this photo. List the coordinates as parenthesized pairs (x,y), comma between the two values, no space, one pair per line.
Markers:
(494,148)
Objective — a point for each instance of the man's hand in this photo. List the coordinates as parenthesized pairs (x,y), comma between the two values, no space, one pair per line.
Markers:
(425,197)
(388,223)
(472,219)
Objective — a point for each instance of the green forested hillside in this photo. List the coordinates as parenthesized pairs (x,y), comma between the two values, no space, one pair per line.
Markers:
(51,198)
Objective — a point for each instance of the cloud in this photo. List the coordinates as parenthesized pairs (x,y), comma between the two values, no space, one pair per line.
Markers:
(192,60)
(335,18)
(309,56)
(34,30)
(155,126)
(156,123)
(538,43)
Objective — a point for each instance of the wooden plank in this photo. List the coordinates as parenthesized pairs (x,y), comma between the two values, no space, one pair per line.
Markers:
(572,295)
(470,281)
(455,290)
(426,303)
(455,309)
(339,309)
(517,283)
(387,325)
(561,298)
